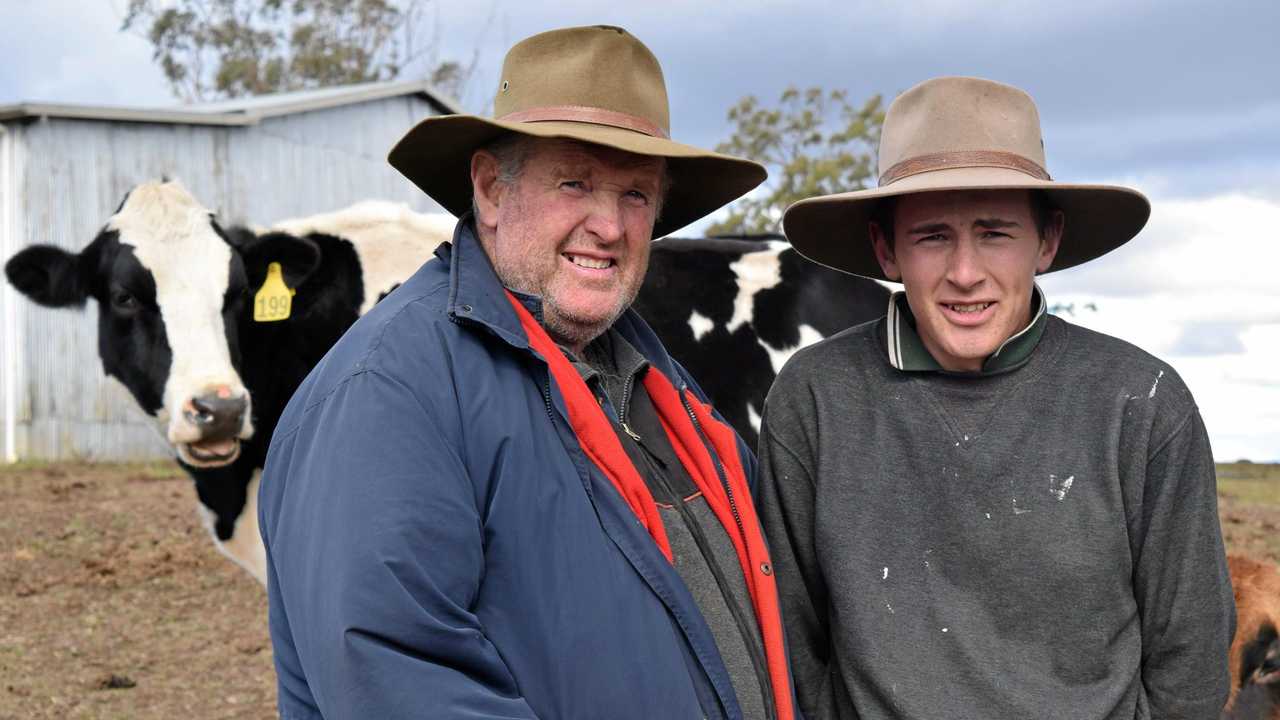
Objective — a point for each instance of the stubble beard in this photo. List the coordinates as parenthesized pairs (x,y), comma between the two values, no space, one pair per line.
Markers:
(577,332)
(562,325)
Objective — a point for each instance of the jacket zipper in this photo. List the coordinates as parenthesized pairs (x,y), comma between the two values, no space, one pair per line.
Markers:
(724,480)
(626,402)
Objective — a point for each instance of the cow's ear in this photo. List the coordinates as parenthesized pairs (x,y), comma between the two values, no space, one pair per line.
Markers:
(236,236)
(298,257)
(49,275)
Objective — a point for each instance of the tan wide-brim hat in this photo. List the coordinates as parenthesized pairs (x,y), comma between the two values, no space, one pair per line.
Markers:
(958,133)
(594,84)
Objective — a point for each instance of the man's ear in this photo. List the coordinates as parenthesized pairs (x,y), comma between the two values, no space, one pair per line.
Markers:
(486,188)
(1051,240)
(298,258)
(48,275)
(883,247)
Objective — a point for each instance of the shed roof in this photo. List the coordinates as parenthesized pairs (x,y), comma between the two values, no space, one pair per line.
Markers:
(244,111)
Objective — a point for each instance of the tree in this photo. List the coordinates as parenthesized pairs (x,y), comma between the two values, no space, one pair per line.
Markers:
(814,143)
(218,49)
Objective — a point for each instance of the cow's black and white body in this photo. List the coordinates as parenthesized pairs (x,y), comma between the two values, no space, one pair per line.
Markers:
(734,310)
(175,296)
(175,293)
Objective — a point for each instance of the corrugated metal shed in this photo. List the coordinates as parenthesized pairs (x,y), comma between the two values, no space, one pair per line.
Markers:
(64,170)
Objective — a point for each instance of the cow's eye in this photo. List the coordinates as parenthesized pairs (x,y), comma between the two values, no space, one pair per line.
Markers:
(124,302)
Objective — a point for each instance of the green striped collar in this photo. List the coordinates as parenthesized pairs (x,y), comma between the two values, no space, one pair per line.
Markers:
(908,353)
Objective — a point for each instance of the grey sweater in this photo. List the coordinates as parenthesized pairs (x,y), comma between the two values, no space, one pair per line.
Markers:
(1042,543)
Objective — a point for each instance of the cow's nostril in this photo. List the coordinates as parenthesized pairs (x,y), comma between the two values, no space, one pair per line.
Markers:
(202,413)
(216,416)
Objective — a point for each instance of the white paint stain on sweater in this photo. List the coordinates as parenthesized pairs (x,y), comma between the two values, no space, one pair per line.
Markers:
(885,576)
(1058,488)
(1155,385)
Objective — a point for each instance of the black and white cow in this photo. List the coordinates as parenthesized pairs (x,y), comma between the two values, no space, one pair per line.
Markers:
(175,294)
(732,310)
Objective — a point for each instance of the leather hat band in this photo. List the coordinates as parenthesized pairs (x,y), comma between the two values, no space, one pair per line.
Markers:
(959,159)
(587,114)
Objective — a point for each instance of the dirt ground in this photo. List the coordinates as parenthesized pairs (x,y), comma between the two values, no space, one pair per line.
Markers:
(114,604)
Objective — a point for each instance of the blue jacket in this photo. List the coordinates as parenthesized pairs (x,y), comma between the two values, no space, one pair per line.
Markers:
(438,544)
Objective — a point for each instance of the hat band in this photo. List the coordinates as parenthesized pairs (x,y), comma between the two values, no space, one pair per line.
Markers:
(962,158)
(586,114)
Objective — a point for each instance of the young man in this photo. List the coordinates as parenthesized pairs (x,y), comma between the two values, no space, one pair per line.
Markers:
(497,495)
(979,510)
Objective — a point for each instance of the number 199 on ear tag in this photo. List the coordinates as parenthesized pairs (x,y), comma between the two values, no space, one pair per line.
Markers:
(274,298)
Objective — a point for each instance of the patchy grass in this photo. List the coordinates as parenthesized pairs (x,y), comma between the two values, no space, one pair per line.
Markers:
(1249,507)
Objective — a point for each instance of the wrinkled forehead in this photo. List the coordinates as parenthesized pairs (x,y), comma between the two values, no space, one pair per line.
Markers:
(173,236)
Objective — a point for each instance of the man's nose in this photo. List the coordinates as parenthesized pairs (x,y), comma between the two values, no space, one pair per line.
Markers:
(605,220)
(965,268)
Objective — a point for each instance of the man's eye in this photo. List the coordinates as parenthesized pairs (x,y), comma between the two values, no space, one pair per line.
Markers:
(936,237)
(573,185)
(637,195)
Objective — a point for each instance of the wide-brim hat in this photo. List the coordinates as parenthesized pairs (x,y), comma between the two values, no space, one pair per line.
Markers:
(594,84)
(959,133)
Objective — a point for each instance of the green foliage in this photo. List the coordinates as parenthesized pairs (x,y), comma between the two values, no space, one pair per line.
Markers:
(218,49)
(813,143)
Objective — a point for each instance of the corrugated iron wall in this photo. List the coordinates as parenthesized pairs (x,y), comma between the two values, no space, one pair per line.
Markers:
(66,177)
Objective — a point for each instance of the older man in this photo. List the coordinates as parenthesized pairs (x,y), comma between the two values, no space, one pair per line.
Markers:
(498,496)
(979,510)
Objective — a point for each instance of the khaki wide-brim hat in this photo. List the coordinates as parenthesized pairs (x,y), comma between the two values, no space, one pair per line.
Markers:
(594,84)
(958,133)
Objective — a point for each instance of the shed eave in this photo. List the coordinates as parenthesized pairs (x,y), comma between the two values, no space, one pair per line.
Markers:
(367,92)
(35,111)
(378,91)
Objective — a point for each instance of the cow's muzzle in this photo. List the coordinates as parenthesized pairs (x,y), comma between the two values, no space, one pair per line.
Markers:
(218,417)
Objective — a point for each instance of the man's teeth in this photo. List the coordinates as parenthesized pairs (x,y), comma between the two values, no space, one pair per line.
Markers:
(975,307)
(587,262)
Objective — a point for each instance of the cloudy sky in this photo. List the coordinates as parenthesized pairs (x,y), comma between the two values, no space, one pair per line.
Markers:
(1179,99)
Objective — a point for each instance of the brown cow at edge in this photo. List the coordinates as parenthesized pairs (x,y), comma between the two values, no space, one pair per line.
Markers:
(1255,651)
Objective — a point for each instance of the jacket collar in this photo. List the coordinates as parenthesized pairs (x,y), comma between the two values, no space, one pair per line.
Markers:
(907,352)
(476,297)
(475,293)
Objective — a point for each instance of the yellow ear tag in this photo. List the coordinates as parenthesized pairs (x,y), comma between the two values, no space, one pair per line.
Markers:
(274,298)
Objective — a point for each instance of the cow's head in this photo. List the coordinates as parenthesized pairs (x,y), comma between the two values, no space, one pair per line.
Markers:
(172,290)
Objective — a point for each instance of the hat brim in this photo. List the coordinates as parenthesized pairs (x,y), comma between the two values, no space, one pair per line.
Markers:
(832,229)
(436,156)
